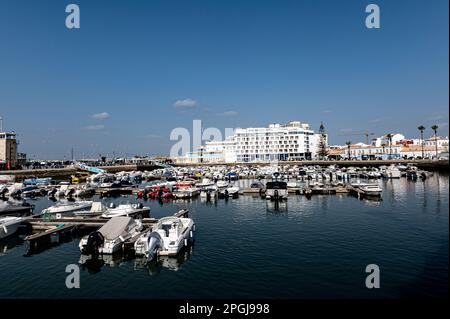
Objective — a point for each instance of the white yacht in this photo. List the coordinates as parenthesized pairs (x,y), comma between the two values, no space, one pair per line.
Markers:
(167,237)
(9,225)
(111,236)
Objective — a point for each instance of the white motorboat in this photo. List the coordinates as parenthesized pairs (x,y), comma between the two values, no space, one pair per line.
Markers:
(84,191)
(209,193)
(9,225)
(371,190)
(126,210)
(391,172)
(205,183)
(167,237)
(15,208)
(97,208)
(232,191)
(222,184)
(66,207)
(186,192)
(111,236)
(277,190)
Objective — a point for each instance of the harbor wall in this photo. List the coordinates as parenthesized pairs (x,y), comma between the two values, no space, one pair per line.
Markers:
(433,165)
(64,173)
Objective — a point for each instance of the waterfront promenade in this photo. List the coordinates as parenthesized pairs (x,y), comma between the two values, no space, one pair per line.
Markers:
(433,165)
(68,171)
(440,165)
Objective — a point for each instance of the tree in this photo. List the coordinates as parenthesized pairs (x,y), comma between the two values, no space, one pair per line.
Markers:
(348,143)
(421,128)
(435,128)
(323,152)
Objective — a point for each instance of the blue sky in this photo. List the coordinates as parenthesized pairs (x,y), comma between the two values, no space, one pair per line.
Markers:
(229,63)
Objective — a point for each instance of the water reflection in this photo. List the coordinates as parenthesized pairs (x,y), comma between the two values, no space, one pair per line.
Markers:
(171,263)
(9,243)
(276,207)
(94,264)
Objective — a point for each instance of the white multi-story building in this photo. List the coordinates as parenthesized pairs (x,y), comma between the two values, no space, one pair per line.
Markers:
(277,142)
(292,141)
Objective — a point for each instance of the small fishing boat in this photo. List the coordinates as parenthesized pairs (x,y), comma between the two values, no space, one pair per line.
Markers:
(111,236)
(9,225)
(167,237)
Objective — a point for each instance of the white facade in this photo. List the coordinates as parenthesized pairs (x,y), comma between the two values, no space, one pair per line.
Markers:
(442,142)
(292,141)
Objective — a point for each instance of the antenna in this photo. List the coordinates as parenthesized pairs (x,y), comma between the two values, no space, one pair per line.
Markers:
(1,124)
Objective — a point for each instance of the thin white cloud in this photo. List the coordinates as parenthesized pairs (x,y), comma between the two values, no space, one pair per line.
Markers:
(229,113)
(185,104)
(375,121)
(327,112)
(101,116)
(345,130)
(94,127)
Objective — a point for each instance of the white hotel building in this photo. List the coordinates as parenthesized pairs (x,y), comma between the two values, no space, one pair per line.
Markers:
(292,141)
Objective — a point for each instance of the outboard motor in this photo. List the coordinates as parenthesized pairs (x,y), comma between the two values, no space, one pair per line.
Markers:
(275,195)
(95,240)
(154,244)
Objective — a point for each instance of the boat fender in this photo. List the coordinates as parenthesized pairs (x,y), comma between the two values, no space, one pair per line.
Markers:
(191,234)
(185,242)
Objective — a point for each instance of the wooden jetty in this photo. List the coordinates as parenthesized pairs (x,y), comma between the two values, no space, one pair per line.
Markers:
(55,231)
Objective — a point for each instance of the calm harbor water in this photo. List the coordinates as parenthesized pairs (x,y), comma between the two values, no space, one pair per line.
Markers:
(248,248)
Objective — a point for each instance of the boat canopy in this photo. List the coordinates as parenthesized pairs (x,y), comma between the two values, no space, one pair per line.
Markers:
(276,185)
(115,227)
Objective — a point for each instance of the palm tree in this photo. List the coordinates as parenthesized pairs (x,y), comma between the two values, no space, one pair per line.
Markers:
(348,143)
(421,128)
(435,128)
